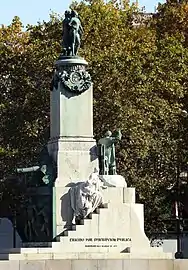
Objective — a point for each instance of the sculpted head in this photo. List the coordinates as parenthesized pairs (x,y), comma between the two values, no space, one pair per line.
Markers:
(74,14)
(108,133)
(67,13)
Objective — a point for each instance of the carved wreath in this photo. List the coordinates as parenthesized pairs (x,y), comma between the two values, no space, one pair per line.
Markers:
(77,81)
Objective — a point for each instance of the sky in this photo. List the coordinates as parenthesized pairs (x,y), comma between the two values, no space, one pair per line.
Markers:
(30,12)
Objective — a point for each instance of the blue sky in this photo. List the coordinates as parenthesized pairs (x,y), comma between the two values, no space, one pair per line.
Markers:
(38,10)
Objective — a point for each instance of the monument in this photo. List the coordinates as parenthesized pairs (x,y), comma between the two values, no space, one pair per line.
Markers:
(94,212)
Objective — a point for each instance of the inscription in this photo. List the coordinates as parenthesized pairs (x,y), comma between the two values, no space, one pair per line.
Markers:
(97,239)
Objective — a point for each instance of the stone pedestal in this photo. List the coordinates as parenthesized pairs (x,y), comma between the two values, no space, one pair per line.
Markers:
(119,227)
(71,129)
(116,228)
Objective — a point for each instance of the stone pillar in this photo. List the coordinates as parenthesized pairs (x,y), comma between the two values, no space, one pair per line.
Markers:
(71,137)
(71,133)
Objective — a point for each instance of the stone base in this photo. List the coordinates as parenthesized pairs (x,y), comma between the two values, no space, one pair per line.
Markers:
(76,159)
(119,228)
(62,214)
(116,229)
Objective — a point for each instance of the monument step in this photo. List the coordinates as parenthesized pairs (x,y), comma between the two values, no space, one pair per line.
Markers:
(96,236)
(79,229)
(36,244)
(126,231)
(116,217)
(130,227)
(90,216)
(84,255)
(63,232)
(119,195)
(84,221)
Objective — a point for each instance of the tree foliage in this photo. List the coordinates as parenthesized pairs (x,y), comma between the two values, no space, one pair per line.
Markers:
(140,86)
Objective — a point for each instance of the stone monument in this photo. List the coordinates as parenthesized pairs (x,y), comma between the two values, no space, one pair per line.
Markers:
(71,132)
(94,212)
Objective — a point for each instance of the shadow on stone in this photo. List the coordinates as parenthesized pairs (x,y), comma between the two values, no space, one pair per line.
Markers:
(93,153)
(67,93)
(66,210)
(126,250)
(74,184)
(62,234)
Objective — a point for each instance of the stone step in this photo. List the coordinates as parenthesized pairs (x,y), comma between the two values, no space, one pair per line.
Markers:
(67,246)
(112,229)
(27,250)
(104,232)
(80,222)
(119,195)
(123,222)
(88,224)
(136,250)
(82,255)
(91,216)
(36,244)
(116,217)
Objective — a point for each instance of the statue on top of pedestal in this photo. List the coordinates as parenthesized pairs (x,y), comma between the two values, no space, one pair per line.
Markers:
(72,33)
(70,68)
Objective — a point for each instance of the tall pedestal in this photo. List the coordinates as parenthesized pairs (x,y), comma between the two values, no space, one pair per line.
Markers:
(71,138)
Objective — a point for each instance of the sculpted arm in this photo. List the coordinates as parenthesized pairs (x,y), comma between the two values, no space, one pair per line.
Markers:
(116,136)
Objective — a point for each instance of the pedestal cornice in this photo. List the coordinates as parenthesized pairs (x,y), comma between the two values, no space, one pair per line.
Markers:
(70,60)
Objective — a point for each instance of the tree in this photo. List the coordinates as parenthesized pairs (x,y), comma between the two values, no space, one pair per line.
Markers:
(26,70)
(172,19)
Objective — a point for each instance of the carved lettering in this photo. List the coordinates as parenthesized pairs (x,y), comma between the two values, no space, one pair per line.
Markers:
(100,239)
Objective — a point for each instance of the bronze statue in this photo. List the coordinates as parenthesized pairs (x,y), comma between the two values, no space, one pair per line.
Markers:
(106,147)
(65,43)
(72,32)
